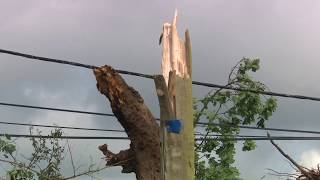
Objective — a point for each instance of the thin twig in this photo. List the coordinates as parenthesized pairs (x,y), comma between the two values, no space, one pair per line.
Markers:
(233,69)
(230,81)
(71,158)
(97,170)
(292,166)
(93,177)
(301,169)
(207,133)
(18,164)
(280,173)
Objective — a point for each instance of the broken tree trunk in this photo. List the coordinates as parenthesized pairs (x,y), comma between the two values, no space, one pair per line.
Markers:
(143,157)
(174,92)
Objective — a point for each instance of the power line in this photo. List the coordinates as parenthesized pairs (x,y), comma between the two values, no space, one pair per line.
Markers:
(61,127)
(114,130)
(56,109)
(240,137)
(281,138)
(219,135)
(287,138)
(201,136)
(257,92)
(257,128)
(151,76)
(199,123)
(70,63)
(65,137)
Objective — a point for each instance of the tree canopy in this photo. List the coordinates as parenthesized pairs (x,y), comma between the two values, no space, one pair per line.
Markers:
(215,158)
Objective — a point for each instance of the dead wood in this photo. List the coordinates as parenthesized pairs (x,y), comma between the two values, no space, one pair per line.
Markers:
(138,122)
(305,173)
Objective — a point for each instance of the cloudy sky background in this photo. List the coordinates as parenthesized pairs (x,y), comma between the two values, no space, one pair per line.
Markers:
(124,34)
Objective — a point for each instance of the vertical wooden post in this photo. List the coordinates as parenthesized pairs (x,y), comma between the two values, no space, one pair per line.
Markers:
(166,113)
(175,97)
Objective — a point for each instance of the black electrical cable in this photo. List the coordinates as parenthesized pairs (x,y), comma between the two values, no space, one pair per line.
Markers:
(151,76)
(258,128)
(65,137)
(287,138)
(61,127)
(55,109)
(199,123)
(282,138)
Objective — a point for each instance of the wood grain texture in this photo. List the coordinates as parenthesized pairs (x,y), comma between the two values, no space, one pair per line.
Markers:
(138,122)
(177,72)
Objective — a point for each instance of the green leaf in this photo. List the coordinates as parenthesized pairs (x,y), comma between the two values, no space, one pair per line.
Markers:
(7,136)
(215,159)
(249,145)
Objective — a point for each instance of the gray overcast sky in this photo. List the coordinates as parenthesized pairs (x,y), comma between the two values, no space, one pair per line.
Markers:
(124,34)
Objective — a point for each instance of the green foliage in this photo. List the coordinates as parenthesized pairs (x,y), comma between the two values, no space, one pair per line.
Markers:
(47,151)
(7,146)
(248,145)
(215,158)
(44,162)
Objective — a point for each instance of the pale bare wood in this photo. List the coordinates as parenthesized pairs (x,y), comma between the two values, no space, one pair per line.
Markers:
(172,90)
(177,52)
(184,112)
(186,103)
(166,113)
(175,18)
(176,69)
(188,54)
(173,142)
(166,41)
(174,51)
(182,66)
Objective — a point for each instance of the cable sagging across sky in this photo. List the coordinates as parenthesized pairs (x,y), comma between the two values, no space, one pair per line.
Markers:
(216,138)
(199,123)
(39,58)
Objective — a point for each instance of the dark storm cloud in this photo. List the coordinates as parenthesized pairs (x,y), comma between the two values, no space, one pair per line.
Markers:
(125,34)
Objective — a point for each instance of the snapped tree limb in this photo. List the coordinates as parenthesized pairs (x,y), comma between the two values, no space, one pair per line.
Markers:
(138,122)
(306,174)
(124,158)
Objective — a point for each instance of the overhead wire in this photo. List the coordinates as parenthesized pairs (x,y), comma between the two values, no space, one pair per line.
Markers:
(61,127)
(151,77)
(198,123)
(294,96)
(56,109)
(114,130)
(64,137)
(281,138)
(286,138)
(39,58)
(97,129)
(29,56)
(259,128)
(219,135)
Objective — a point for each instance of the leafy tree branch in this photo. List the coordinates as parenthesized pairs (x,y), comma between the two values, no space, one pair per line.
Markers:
(215,158)
(45,161)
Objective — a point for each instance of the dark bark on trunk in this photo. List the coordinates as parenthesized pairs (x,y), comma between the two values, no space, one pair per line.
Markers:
(143,157)
(124,158)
